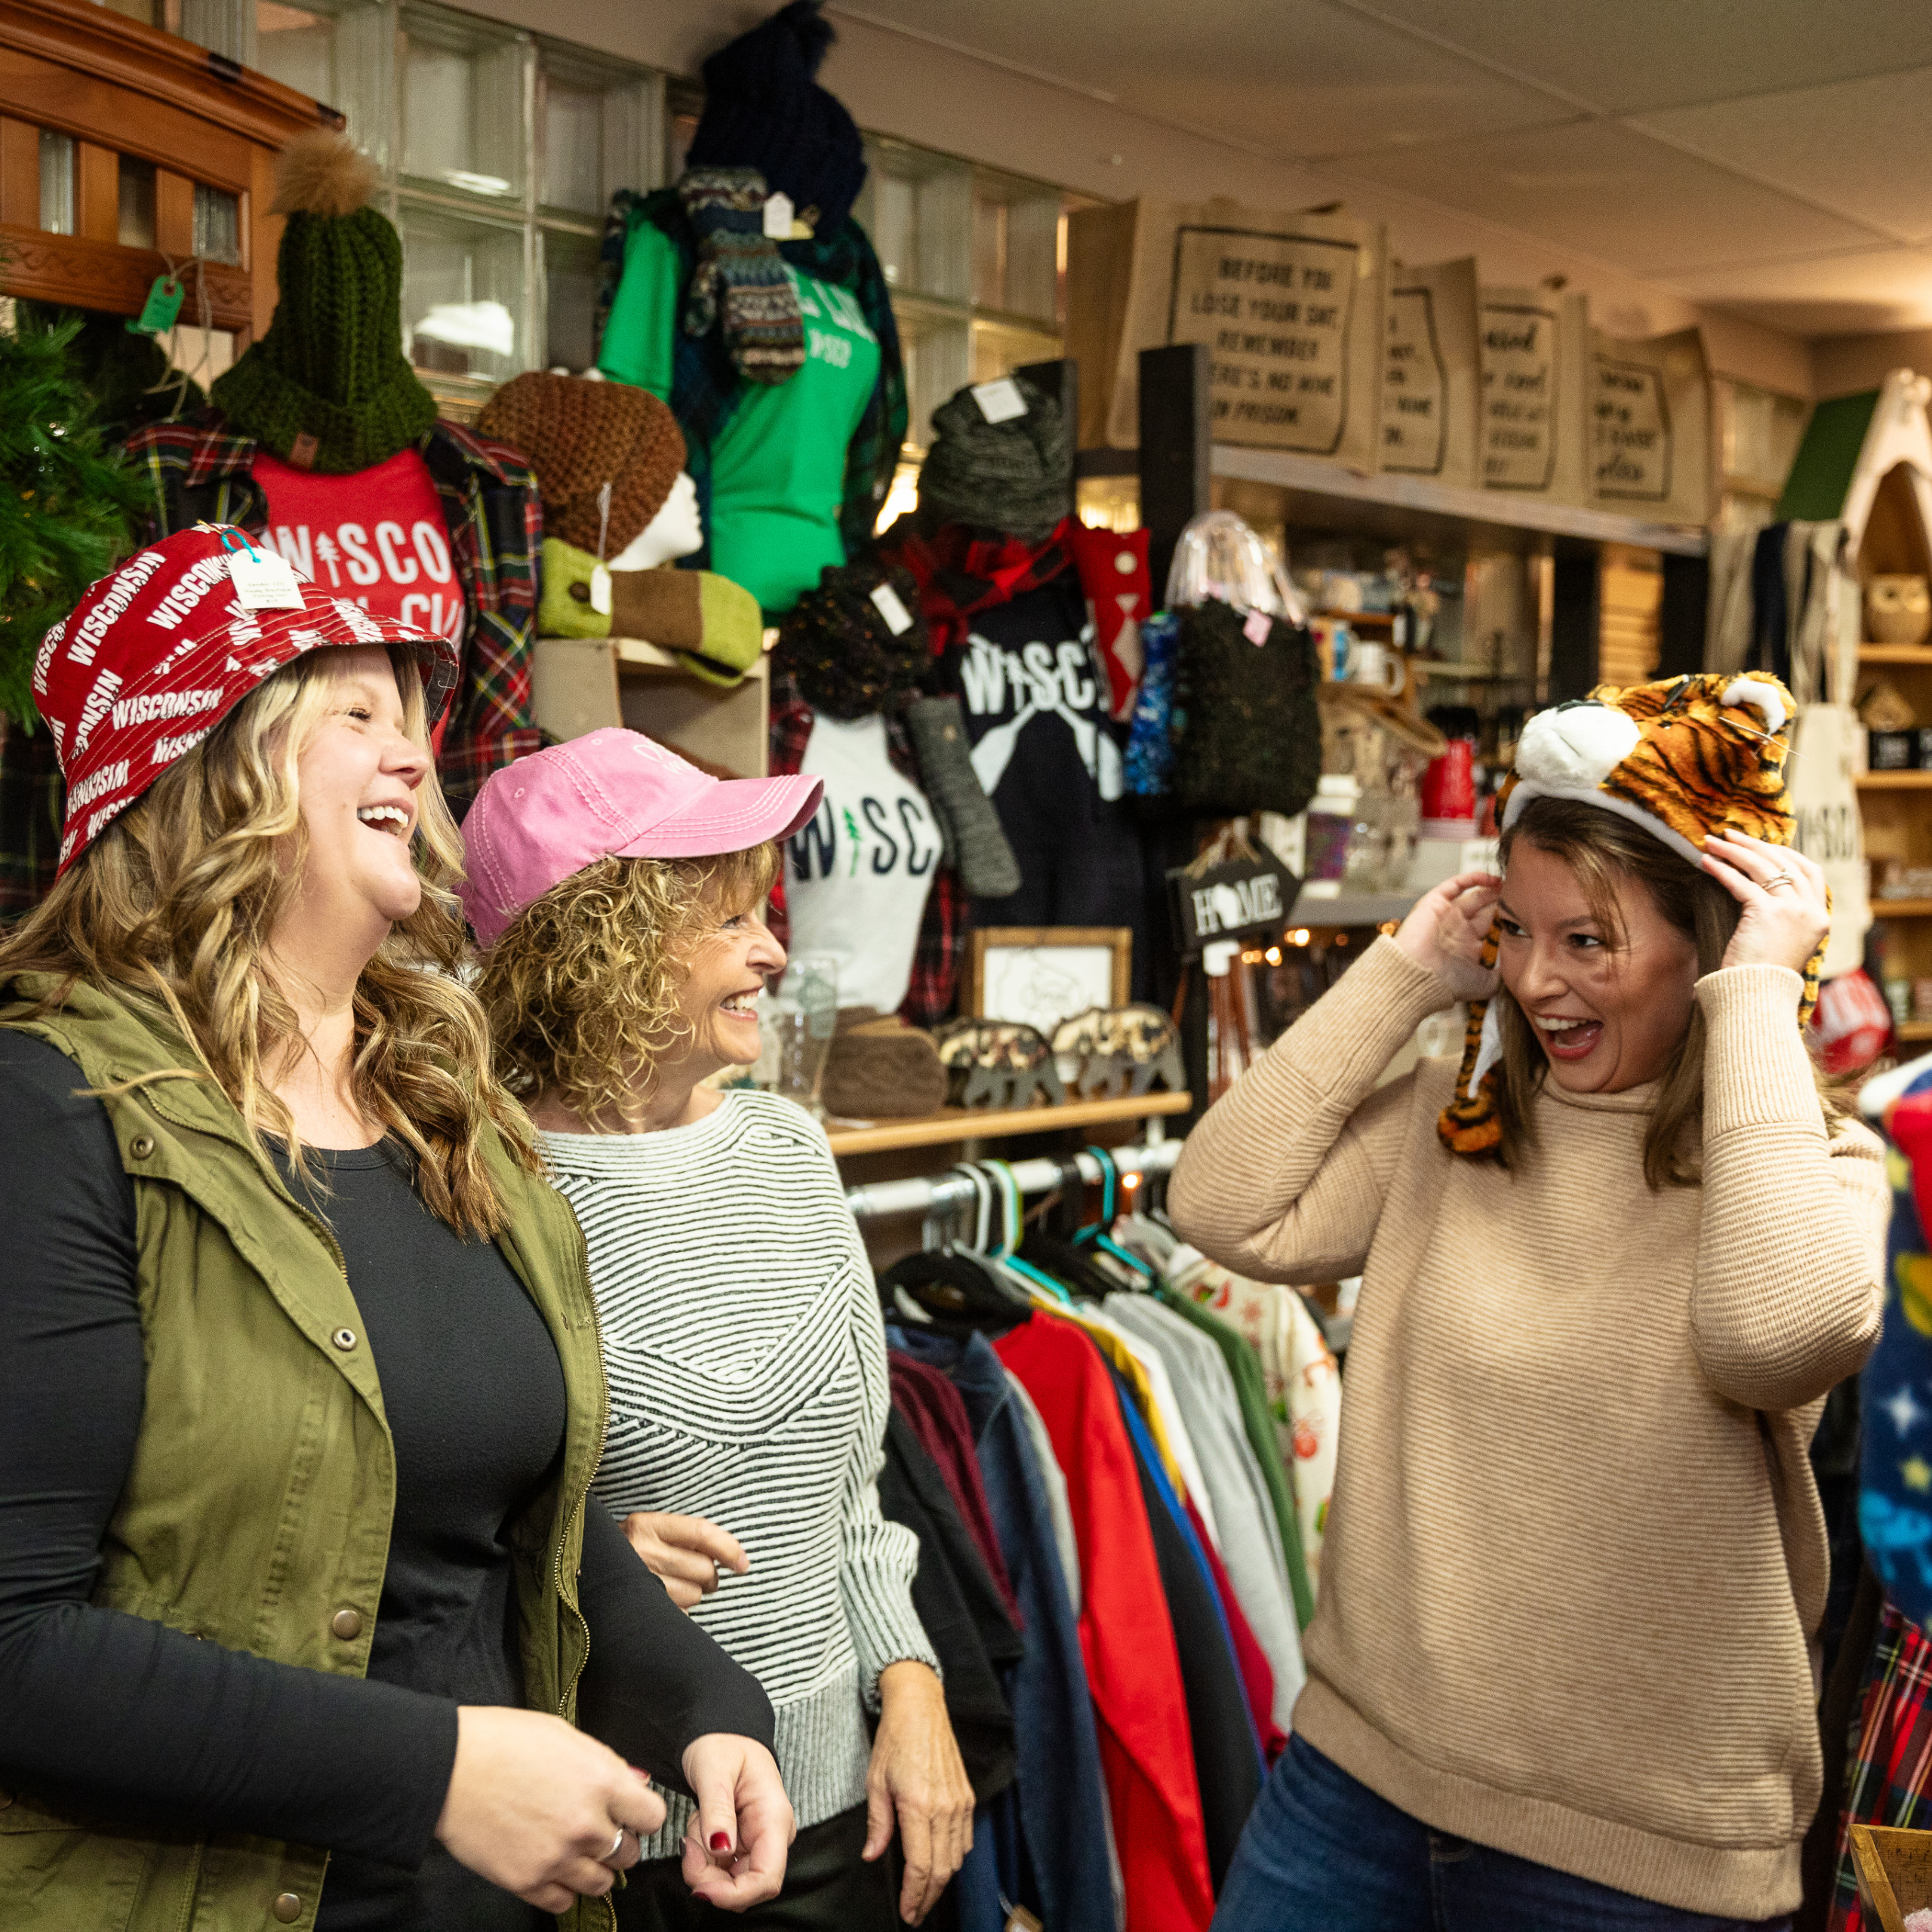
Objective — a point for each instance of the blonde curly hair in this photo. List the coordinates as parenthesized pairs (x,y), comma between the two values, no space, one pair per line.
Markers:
(172,910)
(583,990)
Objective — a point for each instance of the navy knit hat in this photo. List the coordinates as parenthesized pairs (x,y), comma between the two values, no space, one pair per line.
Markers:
(763,109)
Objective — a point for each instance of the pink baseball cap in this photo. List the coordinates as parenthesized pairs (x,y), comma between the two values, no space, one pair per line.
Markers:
(611,793)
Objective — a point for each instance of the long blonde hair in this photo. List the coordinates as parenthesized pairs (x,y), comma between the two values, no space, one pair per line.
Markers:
(173,908)
(584,989)
(1603,850)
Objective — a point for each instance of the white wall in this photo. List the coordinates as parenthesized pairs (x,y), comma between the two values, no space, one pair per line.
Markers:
(938,96)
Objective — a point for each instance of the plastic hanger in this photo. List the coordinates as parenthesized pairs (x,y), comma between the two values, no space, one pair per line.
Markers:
(1006,1256)
(1099,1235)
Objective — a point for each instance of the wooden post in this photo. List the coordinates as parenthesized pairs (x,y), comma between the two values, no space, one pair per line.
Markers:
(1575,621)
(1175,475)
(1681,618)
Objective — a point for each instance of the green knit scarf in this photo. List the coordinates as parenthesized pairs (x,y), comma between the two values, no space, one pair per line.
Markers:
(332,365)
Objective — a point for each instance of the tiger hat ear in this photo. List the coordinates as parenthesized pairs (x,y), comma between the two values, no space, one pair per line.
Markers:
(1682,758)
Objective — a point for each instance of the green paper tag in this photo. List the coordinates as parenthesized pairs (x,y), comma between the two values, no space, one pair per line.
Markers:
(159,310)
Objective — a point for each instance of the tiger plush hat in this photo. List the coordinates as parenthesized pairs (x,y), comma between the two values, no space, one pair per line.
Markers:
(1684,759)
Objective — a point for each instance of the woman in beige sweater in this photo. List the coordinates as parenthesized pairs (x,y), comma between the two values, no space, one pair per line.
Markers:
(1563,1671)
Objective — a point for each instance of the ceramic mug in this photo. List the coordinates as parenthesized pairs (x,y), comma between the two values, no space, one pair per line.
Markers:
(1377,664)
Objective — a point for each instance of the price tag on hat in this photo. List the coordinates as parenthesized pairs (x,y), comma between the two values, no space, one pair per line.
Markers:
(263,580)
(778,218)
(1258,626)
(891,608)
(999,401)
(600,590)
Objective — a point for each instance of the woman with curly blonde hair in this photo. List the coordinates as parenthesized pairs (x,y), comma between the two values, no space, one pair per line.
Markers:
(617,891)
(300,1386)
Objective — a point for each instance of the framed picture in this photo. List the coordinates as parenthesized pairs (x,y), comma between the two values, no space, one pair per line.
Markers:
(1044,974)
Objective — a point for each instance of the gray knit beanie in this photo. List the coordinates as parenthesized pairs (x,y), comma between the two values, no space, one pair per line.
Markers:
(1015,476)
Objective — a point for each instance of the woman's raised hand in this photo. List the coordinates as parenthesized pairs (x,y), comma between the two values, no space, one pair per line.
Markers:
(1445,930)
(684,1552)
(1782,893)
(534,1804)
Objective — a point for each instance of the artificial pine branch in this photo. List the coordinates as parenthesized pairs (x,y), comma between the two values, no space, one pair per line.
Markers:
(68,506)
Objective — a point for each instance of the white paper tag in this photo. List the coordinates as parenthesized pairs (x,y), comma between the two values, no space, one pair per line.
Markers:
(999,401)
(778,218)
(263,580)
(1256,628)
(600,591)
(898,619)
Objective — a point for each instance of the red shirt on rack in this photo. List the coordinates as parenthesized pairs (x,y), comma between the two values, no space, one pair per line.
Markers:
(1133,1666)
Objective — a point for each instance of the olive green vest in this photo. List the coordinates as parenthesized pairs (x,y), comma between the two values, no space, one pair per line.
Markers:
(256,1511)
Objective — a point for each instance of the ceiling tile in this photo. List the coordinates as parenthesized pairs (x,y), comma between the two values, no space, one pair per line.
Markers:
(1296,79)
(1603,190)
(1863,148)
(1867,293)
(1640,54)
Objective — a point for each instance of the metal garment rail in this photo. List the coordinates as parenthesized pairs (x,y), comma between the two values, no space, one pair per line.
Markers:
(928,1194)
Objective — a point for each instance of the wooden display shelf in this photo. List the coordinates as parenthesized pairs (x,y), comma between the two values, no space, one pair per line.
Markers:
(1895,653)
(955,1124)
(1901,909)
(1893,781)
(1424,506)
(1914,1030)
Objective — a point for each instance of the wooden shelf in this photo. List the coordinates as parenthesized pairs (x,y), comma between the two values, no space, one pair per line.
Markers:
(1914,1030)
(1469,674)
(1351,909)
(1419,499)
(1895,653)
(1893,781)
(1356,617)
(1901,909)
(954,1124)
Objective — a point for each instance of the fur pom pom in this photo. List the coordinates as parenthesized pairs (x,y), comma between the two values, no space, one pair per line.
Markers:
(323,173)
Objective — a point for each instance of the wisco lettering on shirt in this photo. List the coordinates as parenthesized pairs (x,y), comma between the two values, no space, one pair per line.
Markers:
(353,558)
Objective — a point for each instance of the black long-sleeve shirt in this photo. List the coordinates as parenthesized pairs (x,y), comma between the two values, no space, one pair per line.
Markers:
(118,1713)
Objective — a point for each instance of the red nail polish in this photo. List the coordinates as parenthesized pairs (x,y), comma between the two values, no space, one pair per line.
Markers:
(721,1841)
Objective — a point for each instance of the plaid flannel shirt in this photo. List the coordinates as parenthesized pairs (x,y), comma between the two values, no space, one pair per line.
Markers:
(934,985)
(202,473)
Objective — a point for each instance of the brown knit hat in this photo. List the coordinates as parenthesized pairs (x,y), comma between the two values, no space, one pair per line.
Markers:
(579,435)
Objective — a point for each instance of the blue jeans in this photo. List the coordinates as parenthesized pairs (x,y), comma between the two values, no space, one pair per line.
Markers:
(1322,1853)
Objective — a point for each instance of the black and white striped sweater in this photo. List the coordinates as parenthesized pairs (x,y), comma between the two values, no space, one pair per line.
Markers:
(746,1358)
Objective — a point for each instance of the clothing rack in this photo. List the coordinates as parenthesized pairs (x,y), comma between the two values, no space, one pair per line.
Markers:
(931,1194)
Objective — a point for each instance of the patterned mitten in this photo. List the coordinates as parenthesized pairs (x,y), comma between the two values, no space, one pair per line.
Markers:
(987,867)
(741,272)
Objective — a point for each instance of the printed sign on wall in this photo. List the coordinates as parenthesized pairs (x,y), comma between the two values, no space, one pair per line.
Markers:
(1519,338)
(1649,426)
(1415,387)
(1630,431)
(1275,312)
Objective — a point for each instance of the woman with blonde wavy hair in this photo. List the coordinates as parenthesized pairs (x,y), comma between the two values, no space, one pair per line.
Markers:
(617,892)
(300,1390)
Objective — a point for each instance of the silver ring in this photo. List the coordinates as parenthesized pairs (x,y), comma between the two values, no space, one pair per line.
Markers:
(616,1846)
(1777,879)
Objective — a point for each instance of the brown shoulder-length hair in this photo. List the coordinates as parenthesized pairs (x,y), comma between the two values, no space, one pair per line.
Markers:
(1607,852)
(584,989)
(172,910)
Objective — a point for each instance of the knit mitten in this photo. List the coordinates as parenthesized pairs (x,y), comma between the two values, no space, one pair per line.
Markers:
(987,867)
(741,272)
(714,625)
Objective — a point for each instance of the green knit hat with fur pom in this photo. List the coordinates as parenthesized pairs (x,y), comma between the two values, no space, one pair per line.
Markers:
(328,387)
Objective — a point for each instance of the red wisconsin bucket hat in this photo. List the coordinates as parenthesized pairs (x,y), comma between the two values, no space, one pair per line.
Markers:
(159,651)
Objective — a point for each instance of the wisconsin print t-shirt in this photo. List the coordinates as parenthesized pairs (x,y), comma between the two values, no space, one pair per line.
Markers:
(857,876)
(377,536)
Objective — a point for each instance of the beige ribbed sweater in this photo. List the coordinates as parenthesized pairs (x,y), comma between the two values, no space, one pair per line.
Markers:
(1575,1561)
